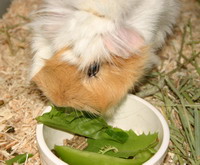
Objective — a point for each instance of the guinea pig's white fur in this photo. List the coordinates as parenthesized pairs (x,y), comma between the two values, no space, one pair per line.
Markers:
(115,39)
(94,29)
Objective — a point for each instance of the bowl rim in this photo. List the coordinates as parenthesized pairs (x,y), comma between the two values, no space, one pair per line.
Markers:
(158,155)
(166,133)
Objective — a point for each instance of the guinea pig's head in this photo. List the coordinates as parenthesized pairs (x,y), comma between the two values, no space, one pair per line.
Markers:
(97,88)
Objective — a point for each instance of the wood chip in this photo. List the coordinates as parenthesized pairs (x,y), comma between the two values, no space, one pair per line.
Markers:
(77,142)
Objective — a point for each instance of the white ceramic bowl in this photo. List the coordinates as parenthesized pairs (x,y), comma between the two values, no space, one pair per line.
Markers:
(135,113)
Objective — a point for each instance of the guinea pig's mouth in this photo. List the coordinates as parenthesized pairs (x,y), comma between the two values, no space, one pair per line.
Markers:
(76,104)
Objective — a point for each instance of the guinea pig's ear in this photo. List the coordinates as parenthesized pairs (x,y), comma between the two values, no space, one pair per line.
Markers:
(123,41)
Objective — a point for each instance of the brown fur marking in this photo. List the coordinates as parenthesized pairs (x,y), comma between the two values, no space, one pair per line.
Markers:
(64,85)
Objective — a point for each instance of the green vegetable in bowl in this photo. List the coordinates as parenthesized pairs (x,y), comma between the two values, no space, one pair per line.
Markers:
(134,145)
(77,157)
(106,145)
(81,123)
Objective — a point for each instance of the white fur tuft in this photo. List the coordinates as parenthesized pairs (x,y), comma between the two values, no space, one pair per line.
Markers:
(83,26)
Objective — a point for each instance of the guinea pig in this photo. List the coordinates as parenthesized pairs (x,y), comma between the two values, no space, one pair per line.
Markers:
(89,53)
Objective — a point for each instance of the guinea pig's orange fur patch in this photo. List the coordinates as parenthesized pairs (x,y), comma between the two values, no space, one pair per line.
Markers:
(65,85)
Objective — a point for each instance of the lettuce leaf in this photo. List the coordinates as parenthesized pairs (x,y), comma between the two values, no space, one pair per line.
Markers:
(81,123)
(135,144)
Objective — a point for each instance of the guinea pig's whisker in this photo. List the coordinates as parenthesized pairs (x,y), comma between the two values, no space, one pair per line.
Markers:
(76,112)
(79,105)
(91,115)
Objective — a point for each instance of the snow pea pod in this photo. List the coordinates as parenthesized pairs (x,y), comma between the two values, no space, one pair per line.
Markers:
(77,157)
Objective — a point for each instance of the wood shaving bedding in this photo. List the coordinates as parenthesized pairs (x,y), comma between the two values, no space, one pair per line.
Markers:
(77,142)
(21,101)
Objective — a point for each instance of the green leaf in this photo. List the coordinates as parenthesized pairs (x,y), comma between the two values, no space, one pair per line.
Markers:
(134,144)
(117,134)
(81,123)
(18,159)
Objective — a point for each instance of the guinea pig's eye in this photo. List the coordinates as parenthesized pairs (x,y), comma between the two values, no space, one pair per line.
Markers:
(93,69)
